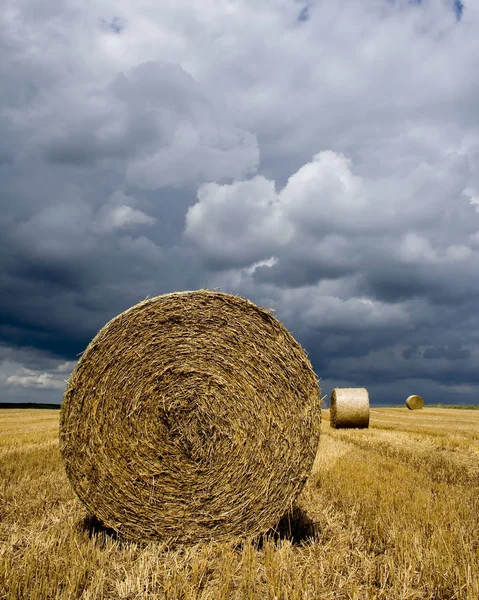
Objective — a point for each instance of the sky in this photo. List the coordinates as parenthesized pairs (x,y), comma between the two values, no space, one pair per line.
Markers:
(320,158)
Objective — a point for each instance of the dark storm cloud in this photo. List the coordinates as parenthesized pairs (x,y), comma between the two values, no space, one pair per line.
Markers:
(325,171)
(80,241)
(448,352)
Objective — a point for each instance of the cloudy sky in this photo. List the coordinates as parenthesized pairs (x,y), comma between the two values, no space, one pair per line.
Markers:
(320,158)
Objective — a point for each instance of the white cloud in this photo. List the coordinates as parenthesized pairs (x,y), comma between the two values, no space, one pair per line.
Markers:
(65,367)
(118,214)
(269,262)
(415,248)
(355,312)
(14,375)
(242,222)
(30,379)
(325,214)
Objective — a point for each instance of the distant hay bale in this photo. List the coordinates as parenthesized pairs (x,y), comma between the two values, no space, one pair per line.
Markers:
(349,407)
(192,416)
(414,402)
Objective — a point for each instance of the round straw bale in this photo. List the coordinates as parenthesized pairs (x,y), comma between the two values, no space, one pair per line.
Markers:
(349,407)
(192,416)
(414,402)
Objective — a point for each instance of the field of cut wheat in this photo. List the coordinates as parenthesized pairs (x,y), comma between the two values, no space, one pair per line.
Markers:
(389,512)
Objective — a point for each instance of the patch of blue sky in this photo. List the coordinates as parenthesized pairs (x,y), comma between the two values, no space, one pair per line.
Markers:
(458,8)
(304,14)
(457,5)
(116,24)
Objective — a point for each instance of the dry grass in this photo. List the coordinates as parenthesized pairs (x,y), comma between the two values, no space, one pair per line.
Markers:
(390,512)
(191,417)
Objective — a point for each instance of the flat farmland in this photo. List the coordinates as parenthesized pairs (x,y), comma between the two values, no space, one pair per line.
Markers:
(389,512)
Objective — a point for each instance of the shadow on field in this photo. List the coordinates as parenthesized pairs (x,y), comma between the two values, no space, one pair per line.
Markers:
(95,529)
(295,526)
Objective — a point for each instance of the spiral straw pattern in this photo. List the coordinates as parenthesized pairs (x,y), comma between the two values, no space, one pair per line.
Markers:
(191,416)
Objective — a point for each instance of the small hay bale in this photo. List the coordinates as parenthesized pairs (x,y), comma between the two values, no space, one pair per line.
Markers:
(349,407)
(190,417)
(414,402)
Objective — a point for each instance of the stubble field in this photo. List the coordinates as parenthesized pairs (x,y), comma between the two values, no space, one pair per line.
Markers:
(390,512)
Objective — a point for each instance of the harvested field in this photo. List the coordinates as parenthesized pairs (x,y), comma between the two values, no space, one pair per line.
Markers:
(390,512)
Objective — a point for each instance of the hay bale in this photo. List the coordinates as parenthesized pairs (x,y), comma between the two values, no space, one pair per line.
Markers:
(349,407)
(191,416)
(414,402)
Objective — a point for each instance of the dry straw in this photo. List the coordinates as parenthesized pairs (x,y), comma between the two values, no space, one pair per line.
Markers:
(414,402)
(349,407)
(191,416)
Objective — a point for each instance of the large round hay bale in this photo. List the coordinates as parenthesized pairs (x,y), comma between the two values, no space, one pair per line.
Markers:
(414,402)
(191,416)
(349,407)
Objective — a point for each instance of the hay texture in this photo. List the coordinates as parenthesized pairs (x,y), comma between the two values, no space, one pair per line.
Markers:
(414,402)
(349,407)
(192,416)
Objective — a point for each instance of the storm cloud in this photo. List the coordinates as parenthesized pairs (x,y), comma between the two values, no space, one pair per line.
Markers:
(321,159)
